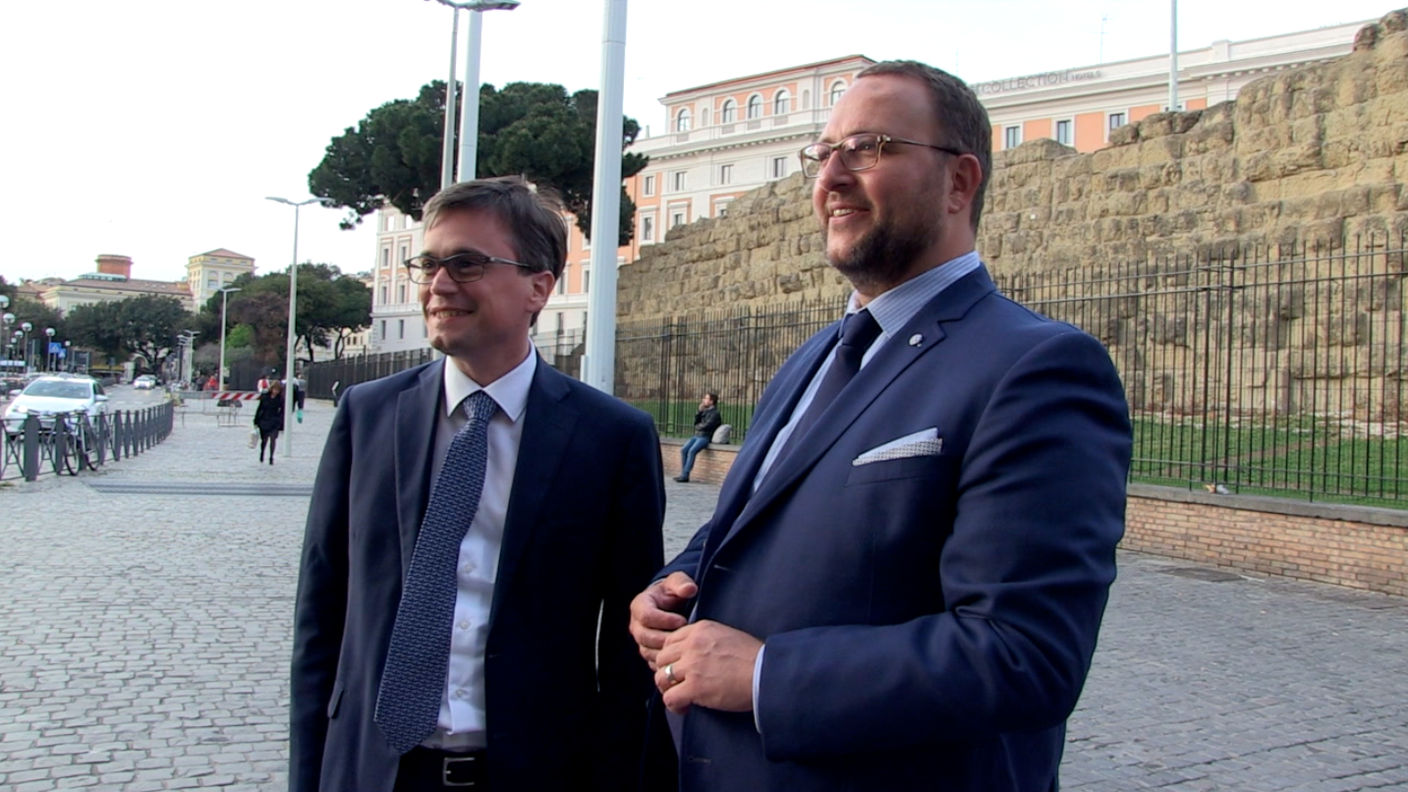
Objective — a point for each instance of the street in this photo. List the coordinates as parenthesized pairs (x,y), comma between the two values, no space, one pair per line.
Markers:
(145,618)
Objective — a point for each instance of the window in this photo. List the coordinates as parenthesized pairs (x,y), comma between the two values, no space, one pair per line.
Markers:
(1116,121)
(383,329)
(721,208)
(400,293)
(678,178)
(1011,137)
(560,287)
(779,167)
(212,283)
(647,229)
(837,88)
(725,174)
(559,322)
(586,281)
(405,253)
(382,301)
(385,257)
(401,328)
(650,185)
(729,113)
(1063,132)
(683,119)
(781,102)
(755,106)
(586,242)
(676,219)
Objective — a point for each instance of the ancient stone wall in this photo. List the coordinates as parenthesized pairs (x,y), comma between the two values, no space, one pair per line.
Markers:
(1310,157)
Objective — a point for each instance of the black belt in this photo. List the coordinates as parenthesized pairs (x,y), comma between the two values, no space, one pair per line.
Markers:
(426,768)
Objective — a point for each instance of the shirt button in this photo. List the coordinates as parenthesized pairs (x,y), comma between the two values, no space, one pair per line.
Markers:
(464,624)
(468,567)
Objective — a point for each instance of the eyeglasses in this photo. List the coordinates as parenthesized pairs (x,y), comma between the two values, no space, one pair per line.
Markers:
(462,267)
(858,152)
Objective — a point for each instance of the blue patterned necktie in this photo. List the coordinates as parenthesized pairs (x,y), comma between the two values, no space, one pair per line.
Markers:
(858,332)
(413,682)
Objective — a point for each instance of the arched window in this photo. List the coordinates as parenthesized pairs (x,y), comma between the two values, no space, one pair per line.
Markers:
(837,88)
(729,113)
(683,119)
(755,106)
(781,102)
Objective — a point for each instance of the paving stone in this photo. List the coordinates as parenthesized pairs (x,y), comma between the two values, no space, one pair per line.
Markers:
(149,650)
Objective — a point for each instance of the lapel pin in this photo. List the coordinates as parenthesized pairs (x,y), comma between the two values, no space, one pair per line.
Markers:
(916,340)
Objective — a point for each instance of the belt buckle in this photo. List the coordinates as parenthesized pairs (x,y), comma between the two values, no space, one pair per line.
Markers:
(448,770)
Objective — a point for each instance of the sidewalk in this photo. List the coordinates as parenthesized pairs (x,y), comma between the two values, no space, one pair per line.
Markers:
(145,615)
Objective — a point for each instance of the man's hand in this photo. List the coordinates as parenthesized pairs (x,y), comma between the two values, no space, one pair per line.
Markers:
(709,664)
(658,611)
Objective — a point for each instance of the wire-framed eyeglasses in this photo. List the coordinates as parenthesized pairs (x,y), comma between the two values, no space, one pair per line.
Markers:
(462,267)
(858,152)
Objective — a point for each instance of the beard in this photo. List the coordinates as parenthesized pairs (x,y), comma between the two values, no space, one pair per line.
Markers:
(885,256)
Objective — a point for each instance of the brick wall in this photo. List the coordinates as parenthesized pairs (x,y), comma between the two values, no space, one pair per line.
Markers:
(710,466)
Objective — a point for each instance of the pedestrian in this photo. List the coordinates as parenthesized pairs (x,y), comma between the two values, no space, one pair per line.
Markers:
(904,577)
(211,384)
(477,529)
(269,417)
(706,420)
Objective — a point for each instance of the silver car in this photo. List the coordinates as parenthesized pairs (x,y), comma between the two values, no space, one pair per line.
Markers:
(49,395)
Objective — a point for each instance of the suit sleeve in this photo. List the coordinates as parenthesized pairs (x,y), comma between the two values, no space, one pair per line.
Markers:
(636,553)
(320,609)
(1024,577)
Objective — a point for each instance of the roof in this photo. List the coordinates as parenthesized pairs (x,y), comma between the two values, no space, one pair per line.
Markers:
(774,73)
(224,253)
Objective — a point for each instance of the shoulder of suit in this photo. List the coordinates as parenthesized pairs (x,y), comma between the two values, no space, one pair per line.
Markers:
(386,387)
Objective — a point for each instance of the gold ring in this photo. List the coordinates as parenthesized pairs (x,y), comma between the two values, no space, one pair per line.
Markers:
(670,674)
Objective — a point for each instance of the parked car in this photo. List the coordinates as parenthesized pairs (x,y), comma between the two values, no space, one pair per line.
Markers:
(52,394)
(144,382)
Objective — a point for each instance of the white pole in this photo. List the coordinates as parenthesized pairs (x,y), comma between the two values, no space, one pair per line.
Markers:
(447,153)
(469,105)
(599,362)
(1173,58)
(292,313)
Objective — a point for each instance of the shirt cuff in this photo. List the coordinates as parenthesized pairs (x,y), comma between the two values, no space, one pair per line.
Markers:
(757,676)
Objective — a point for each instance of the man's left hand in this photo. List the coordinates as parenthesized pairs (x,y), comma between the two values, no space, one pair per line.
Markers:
(712,666)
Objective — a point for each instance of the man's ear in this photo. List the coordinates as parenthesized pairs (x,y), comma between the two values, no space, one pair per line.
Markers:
(543,283)
(965,176)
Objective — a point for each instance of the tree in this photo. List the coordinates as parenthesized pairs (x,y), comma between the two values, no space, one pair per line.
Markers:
(531,129)
(331,307)
(145,325)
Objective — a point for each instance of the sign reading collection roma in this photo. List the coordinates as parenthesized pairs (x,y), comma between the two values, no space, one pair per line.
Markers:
(1043,80)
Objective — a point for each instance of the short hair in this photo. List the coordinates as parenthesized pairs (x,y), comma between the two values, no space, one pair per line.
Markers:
(533,216)
(962,119)
(713,397)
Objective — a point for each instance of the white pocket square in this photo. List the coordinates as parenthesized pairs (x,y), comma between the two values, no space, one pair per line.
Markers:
(924,443)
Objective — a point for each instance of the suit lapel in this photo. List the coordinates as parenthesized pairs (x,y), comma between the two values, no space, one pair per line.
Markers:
(884,368)
(416,416)
(548,422)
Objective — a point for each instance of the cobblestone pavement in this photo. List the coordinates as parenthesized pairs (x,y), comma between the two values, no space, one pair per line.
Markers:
(145,616)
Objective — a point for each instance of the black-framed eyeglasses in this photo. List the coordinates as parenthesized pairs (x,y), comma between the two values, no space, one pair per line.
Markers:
(462,267)
(858,152)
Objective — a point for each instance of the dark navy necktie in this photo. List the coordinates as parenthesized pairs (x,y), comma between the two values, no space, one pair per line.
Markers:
(413,681)
(857,334)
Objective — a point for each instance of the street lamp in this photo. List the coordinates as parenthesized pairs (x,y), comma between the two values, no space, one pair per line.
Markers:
(292,306)
(49,349)
(469,115)
(224,299)
(25,328)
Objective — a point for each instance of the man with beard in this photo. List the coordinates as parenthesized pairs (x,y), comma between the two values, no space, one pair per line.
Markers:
(472,633)
(903,580)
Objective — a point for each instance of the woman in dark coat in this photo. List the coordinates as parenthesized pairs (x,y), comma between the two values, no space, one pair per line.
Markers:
(269,417)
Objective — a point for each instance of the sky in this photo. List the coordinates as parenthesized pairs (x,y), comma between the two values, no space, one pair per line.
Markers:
(155,129)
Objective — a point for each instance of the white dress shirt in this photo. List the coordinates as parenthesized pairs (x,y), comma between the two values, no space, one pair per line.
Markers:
(462,721)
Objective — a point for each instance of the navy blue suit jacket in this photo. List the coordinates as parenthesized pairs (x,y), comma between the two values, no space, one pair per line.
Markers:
(929,619)
(565,701)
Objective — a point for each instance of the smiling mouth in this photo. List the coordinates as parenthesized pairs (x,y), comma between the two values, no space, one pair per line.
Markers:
(447,313)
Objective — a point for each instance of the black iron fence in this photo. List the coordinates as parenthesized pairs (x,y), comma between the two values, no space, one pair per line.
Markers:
(1269,370)
(72,443)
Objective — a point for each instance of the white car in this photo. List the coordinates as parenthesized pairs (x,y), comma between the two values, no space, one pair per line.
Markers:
(144,382)
(55,394)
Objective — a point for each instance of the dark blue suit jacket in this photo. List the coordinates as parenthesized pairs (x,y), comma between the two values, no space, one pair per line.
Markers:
(929,619)
(565,702)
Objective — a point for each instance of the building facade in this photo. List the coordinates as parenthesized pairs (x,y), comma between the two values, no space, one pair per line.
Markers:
(112,282)
(209,272)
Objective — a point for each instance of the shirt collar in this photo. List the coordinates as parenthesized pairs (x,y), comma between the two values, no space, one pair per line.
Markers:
(893,309)
(510,391)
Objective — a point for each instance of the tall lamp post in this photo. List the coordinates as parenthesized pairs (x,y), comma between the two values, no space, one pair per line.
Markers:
(224,300)
(49,349)
(25,328)
(292,312)
(469,114)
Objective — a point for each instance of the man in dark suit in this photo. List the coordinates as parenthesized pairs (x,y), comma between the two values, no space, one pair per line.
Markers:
(903,593)
(538,681)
